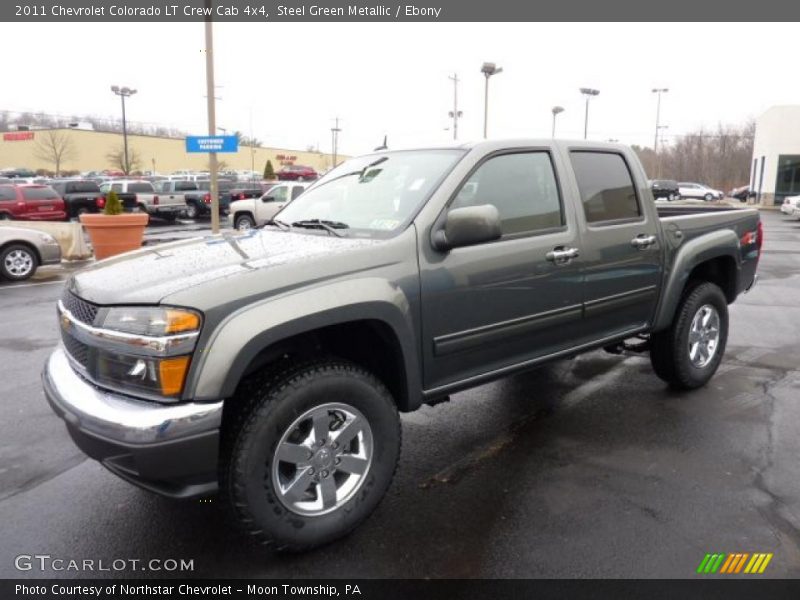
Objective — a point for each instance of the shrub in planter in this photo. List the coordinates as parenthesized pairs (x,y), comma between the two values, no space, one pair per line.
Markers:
(113,232)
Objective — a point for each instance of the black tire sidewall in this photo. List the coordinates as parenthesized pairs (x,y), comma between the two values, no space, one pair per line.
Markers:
(241,218)
(687,375)
(10,276)
(253,453)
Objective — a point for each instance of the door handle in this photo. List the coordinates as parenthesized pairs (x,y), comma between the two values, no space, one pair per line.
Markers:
(642,241)
(561,255)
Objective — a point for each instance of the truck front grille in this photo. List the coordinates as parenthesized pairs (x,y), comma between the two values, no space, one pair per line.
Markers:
(83,311)
(77,350)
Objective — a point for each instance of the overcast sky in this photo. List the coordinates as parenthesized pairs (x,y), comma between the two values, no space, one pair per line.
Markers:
(392,78)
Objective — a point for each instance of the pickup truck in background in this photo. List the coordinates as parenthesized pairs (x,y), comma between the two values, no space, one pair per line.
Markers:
(270,365)
(251,212)
(170,199)
(80,196)
(133,193)
(198,203)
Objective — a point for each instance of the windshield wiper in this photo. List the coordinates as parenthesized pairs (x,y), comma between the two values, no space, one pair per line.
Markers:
(280,224)
(329,226)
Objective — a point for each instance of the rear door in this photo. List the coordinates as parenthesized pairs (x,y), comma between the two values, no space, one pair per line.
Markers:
(40,202)
(621,250)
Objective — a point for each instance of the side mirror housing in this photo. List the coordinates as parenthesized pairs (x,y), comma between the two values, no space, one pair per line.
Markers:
(267,198)
(468,226)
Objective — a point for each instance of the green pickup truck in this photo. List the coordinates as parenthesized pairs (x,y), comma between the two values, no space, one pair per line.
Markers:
(270,365)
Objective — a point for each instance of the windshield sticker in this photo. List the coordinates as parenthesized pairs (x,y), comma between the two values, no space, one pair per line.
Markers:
(384,224)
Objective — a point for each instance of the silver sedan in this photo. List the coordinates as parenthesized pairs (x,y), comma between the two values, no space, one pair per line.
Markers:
(23,250)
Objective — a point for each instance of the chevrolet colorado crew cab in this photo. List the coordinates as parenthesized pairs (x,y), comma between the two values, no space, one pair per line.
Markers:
(270,365)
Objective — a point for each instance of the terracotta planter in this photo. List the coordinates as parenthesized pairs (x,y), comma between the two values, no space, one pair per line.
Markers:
(115,234)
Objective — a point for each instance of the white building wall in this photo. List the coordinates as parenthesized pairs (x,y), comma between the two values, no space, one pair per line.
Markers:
(777,132)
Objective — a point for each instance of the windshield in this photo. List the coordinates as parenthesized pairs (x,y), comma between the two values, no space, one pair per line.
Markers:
(373,195)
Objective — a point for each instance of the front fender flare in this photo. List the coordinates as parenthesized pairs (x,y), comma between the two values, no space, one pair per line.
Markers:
(243,334)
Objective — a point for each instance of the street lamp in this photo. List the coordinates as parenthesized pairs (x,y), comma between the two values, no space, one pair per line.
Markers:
(556,110)
(660,128)
(658,91)
(588,92)
(124,92)
(488,69)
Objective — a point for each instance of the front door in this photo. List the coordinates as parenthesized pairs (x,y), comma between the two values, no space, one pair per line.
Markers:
(491,306)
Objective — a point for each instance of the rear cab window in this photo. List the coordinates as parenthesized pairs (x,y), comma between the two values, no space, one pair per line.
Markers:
(606,186)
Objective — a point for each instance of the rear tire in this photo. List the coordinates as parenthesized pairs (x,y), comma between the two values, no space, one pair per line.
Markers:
(688,354)
(192,210)
(17,262)
(289,482)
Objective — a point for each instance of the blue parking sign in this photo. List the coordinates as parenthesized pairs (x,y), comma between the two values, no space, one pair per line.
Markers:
(212,143)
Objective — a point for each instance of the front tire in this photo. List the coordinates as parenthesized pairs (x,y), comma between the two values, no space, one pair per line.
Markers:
(708,197)
(308,452)
(244,222)
(688,353)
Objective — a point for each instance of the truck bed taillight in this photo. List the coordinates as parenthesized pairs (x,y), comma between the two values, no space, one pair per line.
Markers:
(100,202)
(155,200)
(207,198)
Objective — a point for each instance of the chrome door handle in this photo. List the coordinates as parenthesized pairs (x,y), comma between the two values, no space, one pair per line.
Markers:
(642,241)
(561,255)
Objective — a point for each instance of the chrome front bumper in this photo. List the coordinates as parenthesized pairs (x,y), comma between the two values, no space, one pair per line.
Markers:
(168,448)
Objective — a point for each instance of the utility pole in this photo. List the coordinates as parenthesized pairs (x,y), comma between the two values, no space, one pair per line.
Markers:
(212,118)
(455,114)
(658,91)
(335,140)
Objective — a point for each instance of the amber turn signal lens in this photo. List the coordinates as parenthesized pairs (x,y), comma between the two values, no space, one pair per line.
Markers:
(172,374)
(181,320)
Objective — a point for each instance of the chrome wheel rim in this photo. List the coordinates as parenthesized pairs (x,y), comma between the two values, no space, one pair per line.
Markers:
(244,225)
(322,459)
(18,263)
(704,336)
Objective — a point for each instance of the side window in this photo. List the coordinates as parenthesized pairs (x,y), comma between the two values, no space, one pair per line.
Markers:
(280,193)
(7,193)
(117,187)
(297,190)
(521,186)
(606,186)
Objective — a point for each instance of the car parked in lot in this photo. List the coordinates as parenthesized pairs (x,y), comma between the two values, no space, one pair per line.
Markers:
(80,196)
(791,206)
(198,203)
(297,173)
(22,251)
(271,365)
(665,188)
(688,189)
(251,212)
(742,194)
(31,202)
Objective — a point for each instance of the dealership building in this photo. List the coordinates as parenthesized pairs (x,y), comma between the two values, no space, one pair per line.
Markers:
(89,150)
(775,171)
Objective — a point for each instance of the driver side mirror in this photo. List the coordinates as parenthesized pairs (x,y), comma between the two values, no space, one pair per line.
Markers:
(268,198)
(468,226)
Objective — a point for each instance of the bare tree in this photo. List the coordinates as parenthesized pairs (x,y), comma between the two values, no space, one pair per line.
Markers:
(54,147)
(116,158)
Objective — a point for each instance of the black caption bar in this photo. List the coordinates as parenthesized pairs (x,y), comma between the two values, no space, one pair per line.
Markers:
(477,589)
(388,10)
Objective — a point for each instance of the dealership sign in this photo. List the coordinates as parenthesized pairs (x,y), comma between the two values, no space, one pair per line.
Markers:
(212,143)
(17,136)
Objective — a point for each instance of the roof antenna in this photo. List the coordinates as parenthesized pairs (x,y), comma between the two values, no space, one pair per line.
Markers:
(383,146)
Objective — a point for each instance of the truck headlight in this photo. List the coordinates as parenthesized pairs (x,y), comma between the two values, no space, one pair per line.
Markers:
(142,375)
(151,320)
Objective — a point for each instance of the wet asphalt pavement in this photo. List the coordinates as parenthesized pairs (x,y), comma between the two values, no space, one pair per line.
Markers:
(584,468)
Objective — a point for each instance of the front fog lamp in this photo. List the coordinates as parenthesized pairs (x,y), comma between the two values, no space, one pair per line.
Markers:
(160,377)
(151,320)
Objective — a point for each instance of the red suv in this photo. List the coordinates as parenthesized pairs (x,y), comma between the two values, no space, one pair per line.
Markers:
(297,173)
(31,203)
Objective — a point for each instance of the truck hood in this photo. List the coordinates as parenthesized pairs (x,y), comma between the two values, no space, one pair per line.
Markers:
(147,276)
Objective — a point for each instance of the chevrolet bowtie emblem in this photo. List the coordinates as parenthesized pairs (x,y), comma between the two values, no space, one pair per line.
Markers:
(64,322)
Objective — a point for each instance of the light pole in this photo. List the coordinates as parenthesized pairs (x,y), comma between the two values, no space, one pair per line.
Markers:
(455,114)
(556,110)
(658,91)
(588,92)
(335,141)
(124,92)
(659,132)
(488,69)
(211,111)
